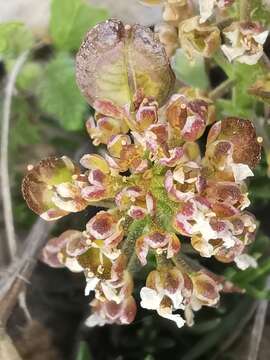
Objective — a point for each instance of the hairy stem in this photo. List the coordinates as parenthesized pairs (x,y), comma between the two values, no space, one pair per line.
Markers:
(180,261)
(5,183)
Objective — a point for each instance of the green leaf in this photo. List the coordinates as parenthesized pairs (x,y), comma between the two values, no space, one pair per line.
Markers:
(29,77)
(24,131)
(242,278)
(192,72)
(59,95)
(235,318)
(70,19)
(260,12)
(83,352)
(242,103)
(15,38)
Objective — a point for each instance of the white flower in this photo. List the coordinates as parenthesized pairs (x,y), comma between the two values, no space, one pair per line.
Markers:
(245,42)
(206,9)
(111,293)
(244,261)
(91,284)
(95,320)
(241,172)
(151,300)
(73,265)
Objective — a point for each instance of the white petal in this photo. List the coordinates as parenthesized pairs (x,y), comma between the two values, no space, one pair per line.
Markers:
(95,320)
(149,299)
(206,9)
(179,175)
(233,36)
(245,202)
(112,254)
(177,300)
(180,322)
(245,261)
(91,284)
(73,265)
(261,38)
(250,59)
(189,123)
(232,53)
(66,205)
(241,172)
(110,293)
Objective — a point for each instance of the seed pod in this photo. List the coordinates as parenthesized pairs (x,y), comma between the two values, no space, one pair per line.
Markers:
(115,61)
(242,135)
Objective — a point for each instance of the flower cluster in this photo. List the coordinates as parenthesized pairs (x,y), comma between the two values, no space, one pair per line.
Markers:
(158,190)
(191,25)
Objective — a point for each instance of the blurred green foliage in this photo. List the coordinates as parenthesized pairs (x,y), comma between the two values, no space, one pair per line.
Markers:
(15,37)
(191,71)
(83,352)
(59,96)
(70,20)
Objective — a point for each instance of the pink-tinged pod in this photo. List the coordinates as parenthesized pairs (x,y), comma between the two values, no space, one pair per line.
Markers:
(52,188)
(241,134)
(114,60)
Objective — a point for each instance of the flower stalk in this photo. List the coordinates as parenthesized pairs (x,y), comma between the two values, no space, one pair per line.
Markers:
(244,10)
(222,89)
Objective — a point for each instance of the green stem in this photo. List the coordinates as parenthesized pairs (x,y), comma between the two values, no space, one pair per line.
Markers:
(222,89)
(134,231)
(224,64)
(162,261)
(180,261)
(244,10)
(133,265)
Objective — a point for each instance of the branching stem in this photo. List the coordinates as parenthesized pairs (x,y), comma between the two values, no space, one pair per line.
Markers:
(5,182)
